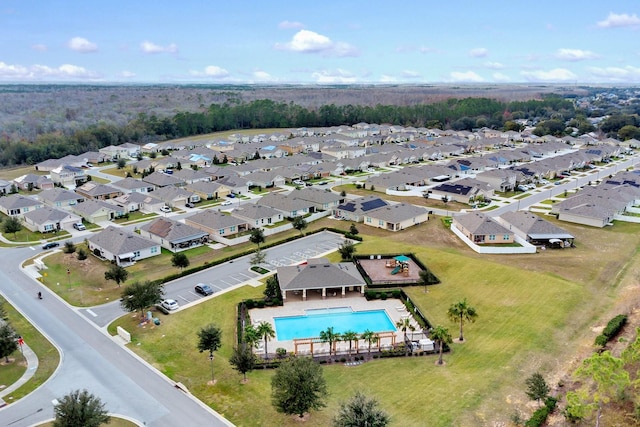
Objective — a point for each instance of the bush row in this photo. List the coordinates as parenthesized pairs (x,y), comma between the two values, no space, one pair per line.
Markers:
(611,330)
(539,417)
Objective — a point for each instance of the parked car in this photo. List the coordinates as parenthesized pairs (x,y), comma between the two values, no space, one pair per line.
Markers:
(79,226)
(298,182)
(50,245)
(189,205)
(226,203)
(165,209)
(231,195)
(170,304)
(203,289)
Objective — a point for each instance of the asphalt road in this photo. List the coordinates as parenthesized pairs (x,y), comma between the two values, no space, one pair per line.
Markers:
(92,360)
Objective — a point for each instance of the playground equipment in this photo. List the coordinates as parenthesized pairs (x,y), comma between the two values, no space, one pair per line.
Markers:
(399,263)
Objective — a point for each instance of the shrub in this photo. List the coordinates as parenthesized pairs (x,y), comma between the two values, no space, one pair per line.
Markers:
(281,352)
(343,359)
(601,340)
(260,304)
(539,417)
(611,330)
(250,303)
(396,294)
(383,297)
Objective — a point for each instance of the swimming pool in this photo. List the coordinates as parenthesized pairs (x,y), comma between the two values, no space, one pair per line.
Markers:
(342,319)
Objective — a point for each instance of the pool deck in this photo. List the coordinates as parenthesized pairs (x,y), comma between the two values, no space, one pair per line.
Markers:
(394,308)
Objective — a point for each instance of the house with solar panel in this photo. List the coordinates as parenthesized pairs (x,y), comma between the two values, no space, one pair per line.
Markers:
(355,210)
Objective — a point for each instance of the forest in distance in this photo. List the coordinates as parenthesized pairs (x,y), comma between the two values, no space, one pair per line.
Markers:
(50,121)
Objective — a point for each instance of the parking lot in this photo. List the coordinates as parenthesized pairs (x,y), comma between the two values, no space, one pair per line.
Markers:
(230,274)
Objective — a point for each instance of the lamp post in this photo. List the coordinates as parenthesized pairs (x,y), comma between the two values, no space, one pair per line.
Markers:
(211,360)
(69,278)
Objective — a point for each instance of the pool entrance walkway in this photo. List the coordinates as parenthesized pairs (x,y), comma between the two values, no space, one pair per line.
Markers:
(394,308)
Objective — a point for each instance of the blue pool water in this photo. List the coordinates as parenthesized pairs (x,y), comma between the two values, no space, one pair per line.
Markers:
(342,319)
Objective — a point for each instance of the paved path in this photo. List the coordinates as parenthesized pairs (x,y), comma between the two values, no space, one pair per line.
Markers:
(32,366)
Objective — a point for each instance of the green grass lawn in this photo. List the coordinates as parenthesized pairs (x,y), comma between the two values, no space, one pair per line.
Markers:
(519,314)
(48,357)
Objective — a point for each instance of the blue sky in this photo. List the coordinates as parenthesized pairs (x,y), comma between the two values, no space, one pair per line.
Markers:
(324,42)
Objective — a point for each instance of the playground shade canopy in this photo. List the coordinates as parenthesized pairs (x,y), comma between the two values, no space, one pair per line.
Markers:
(402,258)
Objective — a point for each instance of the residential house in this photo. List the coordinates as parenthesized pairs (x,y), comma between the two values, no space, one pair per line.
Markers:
(355,210)
(132,185)
(95,211)
(32,181)
(209,190)
(48,219)
(5,187)
(288,204)
(536,230)
(17,205)
(68,176)
(173,235)
(175,196)
(464,191)
(321,200)
(258,215)
(60,198)
(94,191)
(122,247)
(132,202)
(160,179)
(396,217)
(217,224)
(482,229)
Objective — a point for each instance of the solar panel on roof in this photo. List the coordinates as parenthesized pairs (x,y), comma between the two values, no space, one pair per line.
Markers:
(373,204)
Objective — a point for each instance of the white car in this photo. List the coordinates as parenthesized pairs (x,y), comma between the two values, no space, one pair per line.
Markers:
(226,203)
(165,209)
(170,304)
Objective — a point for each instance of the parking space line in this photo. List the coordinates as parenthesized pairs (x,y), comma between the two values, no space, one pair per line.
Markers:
(186,300)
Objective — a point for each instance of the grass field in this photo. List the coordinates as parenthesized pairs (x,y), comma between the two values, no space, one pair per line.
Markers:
(48,357)
(535,313)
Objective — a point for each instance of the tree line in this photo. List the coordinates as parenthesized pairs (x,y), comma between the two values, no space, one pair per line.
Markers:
(452,113)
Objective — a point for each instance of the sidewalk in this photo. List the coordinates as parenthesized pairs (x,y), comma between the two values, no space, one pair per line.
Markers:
(32,367)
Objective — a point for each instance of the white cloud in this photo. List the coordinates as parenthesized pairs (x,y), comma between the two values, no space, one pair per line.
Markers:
(385,78)
(616,74)
(500,77)
(493,65)
(336,76)
(213,72)
(285,25)
(127,74)
(149,47)
(263,76)
(479,52)
(410,74)
(305,41)
(619,20)
(37,72)
(555,75)
(82,45)
(467,76)
(575,54)
(40,47)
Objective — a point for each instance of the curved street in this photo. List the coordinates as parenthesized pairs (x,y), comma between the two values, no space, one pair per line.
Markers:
(93,360)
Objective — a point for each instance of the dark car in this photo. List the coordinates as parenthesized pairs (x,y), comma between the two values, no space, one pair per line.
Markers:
(50,245)
(203,289)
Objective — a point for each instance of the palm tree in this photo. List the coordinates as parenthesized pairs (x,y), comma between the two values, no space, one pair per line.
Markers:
(265,330)
(210,339)
(404,324)
(251,336)
(369,337)
(330,336)
(350,336)
(441,335)
(462,312)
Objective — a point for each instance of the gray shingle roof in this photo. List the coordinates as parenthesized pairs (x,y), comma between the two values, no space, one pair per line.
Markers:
(534,226)
(173,231)
(317,274)
(397,213)
(214,220)
(119,241)
(481,224)
(42,215)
